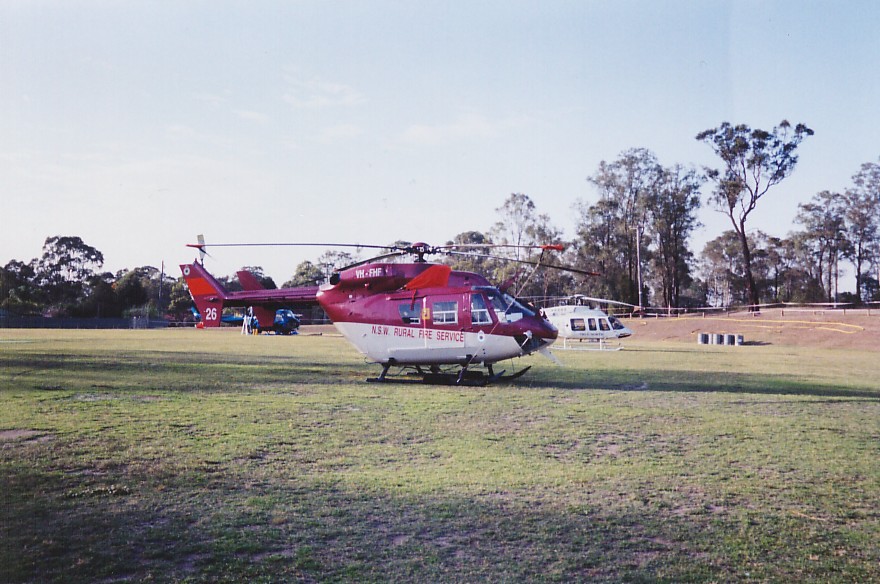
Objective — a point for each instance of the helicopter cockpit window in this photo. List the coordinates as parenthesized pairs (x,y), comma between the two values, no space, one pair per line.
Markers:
(445,312)
(479,312)
(506,307)
(410,313)
(615,323)
(578,325)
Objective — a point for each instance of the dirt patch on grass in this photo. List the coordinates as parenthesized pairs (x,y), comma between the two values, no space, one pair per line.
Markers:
(833,329)
(24,436)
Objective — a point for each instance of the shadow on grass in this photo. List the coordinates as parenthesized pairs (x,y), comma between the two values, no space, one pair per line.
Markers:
(235,373)
(144,371)
(235,530)
(703,382)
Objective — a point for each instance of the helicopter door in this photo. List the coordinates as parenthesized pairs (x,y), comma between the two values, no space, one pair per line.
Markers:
(446,336)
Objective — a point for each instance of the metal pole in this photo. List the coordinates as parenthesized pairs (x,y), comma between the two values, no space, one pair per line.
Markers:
(639,263)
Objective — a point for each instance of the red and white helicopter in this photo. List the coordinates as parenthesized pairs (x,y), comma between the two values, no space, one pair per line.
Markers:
(422,317)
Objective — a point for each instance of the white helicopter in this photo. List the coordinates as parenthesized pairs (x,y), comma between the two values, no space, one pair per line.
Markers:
(578,320)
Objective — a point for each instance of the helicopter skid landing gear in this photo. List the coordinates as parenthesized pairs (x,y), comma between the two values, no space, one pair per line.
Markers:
(464,377)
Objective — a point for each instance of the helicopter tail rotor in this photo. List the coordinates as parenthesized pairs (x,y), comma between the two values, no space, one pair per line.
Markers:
(201,247)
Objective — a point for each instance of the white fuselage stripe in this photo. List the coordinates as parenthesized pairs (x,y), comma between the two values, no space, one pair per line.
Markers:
(425,346)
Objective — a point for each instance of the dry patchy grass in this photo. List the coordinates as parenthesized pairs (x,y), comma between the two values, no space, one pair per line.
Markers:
(200,456)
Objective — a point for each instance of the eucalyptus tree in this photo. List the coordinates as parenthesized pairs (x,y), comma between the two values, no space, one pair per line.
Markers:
(778,269)
(862,220)
(130,289)
(613,230)
(775,266)
(305,274)
(333,260)
(103,298)
(19,292)
(783,268)
(824,227)
(597,249)
(65,268)
(479,261)
(801,280)
(720,268)
(179,299)
(753,161)
(552,282)
(672,208)
(520,224)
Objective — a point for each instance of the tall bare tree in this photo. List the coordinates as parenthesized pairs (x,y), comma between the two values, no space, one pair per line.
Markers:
(517,223)
(520,224)
(753,160)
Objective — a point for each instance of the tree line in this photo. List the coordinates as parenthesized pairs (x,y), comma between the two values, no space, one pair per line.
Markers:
(636,237)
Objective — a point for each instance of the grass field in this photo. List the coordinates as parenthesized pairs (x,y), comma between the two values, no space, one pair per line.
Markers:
(205,456)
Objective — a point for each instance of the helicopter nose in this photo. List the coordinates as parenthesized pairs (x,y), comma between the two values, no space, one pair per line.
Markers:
(551,333)
(538,335)
(544,331)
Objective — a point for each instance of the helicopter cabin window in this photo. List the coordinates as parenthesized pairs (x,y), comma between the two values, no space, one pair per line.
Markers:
(445,312)
(603,324)
(578,325)
(592,322)
(410,313)
(479,312)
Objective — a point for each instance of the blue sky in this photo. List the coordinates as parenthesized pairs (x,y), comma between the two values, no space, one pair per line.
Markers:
(137,125)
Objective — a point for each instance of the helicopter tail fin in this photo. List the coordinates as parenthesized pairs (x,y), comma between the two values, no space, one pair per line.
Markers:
(248,281)
(265,314)
(208,294)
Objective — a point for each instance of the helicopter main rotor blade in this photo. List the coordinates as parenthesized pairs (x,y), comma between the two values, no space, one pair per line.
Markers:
(373,259)
(202,245)
(527,262)
(601,300)
(418,249)
(542,247)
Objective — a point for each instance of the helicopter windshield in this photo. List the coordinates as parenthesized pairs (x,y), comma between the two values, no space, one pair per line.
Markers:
(506,307)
